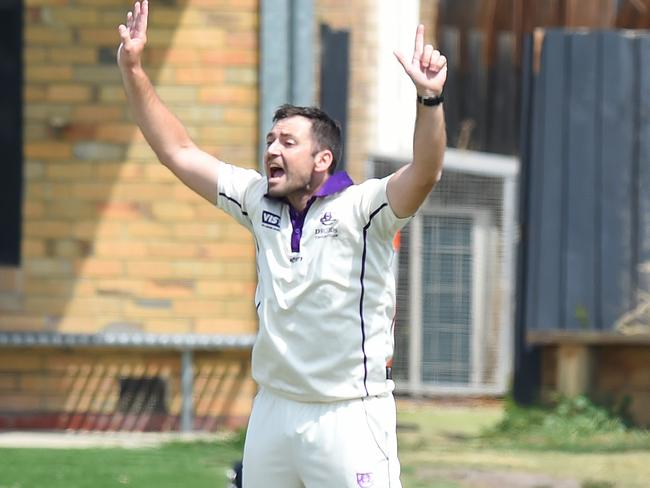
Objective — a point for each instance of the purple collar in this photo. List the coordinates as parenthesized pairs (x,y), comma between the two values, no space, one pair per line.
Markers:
(339,181)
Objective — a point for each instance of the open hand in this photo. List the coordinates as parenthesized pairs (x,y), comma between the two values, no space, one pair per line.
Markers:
(427,68)
(133,35)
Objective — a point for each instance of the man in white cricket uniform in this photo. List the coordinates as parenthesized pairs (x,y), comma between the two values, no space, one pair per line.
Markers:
(325,415)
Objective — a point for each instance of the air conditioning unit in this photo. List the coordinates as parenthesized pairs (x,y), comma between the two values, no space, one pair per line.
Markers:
(455,279)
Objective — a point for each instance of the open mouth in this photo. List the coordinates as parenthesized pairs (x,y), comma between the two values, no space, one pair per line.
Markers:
(275,173)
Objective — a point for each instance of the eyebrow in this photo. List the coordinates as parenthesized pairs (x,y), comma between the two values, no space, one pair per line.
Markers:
(282,134)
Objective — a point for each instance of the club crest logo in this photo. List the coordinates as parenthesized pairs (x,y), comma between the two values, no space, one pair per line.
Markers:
(327,219)
(328,226)
(365,480)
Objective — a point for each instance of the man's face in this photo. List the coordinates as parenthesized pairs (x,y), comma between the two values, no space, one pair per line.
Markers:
(290,157)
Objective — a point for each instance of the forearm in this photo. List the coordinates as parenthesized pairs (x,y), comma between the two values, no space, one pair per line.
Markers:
(429,142)
(162,130)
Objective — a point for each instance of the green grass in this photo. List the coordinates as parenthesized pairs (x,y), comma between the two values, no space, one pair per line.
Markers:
(173,465)
(443,443)
(441,446)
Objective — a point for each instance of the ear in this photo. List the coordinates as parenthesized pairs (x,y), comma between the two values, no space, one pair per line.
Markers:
(323,160)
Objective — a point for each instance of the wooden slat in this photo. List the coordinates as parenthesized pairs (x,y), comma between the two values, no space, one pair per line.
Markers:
(589,13)
(617,139)
(550,178)
(547,337)
(580,308)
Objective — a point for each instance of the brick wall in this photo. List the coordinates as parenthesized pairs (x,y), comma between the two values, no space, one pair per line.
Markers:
(111,241)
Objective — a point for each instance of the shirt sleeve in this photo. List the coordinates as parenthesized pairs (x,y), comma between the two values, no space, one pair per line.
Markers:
(376,210)
(234,185)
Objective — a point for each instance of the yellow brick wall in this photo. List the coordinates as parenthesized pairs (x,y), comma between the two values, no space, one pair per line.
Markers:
(110,238)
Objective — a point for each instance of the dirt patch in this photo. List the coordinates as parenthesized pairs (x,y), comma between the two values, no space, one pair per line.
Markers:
(479,478)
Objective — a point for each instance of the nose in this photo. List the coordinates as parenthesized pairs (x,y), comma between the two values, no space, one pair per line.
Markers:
(273,148)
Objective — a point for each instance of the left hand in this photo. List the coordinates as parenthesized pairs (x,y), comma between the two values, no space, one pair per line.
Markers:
(427,68)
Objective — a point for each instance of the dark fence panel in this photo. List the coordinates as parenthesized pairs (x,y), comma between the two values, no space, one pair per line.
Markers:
(10,130)
(619,131)
(586,225)
(548,176)
(582,178)
(643,191)
(334,79)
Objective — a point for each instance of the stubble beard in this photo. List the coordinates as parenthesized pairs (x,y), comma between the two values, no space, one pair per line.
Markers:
(288,189)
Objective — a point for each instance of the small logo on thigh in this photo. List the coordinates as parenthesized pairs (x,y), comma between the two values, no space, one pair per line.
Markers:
(365,480)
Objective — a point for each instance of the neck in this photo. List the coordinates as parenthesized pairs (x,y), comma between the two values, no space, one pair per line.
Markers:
(299,199)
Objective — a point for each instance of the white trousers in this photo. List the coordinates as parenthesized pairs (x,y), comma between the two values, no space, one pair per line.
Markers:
(346,444)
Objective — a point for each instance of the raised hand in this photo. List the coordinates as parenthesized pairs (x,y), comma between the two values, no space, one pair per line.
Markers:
(427,68)
(133,35)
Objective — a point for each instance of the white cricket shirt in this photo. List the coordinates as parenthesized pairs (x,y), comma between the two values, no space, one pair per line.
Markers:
(326,291)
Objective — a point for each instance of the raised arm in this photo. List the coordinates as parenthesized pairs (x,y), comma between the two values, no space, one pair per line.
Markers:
(410,185)
(162,130)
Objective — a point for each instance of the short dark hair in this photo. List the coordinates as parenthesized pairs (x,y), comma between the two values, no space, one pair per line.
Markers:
(325,130)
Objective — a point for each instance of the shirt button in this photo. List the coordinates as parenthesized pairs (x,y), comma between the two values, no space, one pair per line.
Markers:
(297,231)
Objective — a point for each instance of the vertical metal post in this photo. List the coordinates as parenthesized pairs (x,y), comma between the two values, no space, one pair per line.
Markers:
(187,389)
(275,64)
(415,306)
(302,52)
(286,59)
(508,278)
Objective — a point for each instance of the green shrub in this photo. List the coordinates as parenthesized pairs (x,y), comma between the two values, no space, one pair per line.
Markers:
(570,423)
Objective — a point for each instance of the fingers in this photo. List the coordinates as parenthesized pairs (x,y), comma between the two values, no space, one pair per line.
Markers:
(124,34)
(419,43)
(425,60)
(136,20)
(432,60)
(144,15)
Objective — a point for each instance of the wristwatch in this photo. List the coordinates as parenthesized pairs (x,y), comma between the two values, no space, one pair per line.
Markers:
(431,101)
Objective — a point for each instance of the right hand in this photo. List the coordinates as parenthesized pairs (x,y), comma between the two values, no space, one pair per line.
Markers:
(133,36)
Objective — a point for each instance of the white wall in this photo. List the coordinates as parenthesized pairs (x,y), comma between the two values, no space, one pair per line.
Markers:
(395,100)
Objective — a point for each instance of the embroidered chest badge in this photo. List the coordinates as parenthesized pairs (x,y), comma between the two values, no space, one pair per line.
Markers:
(365,480)
(328,226)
